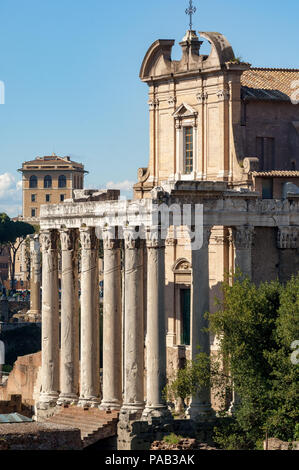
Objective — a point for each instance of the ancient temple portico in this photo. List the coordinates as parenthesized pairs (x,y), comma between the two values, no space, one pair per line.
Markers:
(134,245)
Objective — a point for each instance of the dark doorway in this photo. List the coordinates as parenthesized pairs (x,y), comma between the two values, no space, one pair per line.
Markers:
(185,316)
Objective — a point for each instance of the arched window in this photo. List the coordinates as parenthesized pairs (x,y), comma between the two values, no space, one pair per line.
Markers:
(33,181)
(62,181)
(48,181)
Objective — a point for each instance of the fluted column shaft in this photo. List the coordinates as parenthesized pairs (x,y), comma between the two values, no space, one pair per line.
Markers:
(50,318)
(156,322)
(134,324)
(89,367)
(69,364)
(112,324)
(200,339)
(35,275)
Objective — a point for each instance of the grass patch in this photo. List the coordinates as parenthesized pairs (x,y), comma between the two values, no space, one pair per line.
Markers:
(172,438)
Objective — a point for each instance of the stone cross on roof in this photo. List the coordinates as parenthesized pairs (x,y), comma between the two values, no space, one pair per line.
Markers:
(190,11)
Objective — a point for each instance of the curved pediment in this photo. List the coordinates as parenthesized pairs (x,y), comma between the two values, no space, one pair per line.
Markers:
(157,60)
(182,266)
(221,51)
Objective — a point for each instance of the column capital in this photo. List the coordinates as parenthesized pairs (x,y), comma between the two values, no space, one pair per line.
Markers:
(110,240)
(243,236)
(49,240)
(288,237)
(154,239)
(205,234)
(69,239)
(88,238)
(131,238)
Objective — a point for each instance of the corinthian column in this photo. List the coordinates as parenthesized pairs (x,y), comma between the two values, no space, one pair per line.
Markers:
(69,364)
(156,331)
(134,325)
(90,337)
(200,339)
(243,237)
(50,319)
(35,275)
(112,323)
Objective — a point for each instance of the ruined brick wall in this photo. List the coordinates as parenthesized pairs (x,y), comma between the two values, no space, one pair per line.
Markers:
(23,379)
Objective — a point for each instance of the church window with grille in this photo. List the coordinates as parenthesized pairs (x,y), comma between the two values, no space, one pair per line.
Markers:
(188,150)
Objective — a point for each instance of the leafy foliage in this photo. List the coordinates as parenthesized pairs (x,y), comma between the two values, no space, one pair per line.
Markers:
(256,326)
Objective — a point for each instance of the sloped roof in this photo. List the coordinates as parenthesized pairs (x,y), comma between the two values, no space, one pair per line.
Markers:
(269,84)
(280,173)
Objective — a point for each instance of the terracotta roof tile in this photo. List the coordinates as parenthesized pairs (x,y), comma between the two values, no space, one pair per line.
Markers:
(282,173)
(268,84)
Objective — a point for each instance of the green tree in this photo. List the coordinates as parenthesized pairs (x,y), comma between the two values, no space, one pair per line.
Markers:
(256,326)
(12,235)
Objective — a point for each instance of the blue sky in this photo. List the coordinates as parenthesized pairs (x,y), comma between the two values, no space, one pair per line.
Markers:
(71,67)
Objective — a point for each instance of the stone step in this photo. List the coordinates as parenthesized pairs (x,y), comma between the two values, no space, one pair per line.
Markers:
(77,424)
(86,419)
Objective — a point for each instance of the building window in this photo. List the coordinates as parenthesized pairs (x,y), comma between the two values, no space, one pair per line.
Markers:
(267,188)
(188,150)
(33,197)
(62,181)
(33,182)
(33,212)
(185,316)
(62,197)
(48,197)
(48,181)
(265,150)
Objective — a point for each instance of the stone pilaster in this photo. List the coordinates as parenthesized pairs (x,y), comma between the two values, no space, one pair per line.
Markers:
(134,326)
(35,275)
(243,238)
(69,363)
(112,323)
(156,332)
(50,319)
(200,406)
(90,336)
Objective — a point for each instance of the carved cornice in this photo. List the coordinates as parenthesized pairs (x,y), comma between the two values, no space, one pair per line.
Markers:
(243,236)
(88,239)
(288,237)
(49,240)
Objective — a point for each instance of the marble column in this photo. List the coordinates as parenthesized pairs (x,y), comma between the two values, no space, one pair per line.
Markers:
(35,275)
(156,331)
(243,237)
(89,360)
(200,406)
(134,326)
(50,318)
(69,361)
(112,323)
